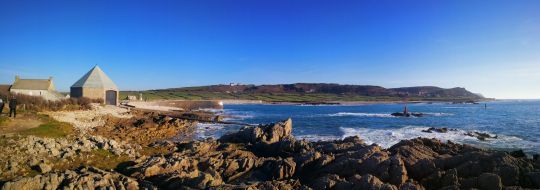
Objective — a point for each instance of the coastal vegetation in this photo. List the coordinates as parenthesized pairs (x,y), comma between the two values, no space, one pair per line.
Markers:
(38,103)
(307,92)
(50,128)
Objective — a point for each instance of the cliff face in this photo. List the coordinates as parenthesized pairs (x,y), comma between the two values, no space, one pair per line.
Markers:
(328,88)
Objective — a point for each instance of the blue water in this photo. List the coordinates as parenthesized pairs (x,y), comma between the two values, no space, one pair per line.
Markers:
(516,123)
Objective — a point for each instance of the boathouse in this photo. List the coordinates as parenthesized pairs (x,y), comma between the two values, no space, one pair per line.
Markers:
(96,85)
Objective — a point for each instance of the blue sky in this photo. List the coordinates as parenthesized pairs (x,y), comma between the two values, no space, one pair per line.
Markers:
(490,47)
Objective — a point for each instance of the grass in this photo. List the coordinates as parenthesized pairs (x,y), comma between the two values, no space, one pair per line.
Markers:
(192,94)
(51,129)
(3,120)
(153,151)
(99,158)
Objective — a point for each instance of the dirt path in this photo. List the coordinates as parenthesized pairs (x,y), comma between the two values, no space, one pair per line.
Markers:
(21,123)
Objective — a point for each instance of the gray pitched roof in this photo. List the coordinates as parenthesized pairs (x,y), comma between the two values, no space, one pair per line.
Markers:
(32,84)
(95,78)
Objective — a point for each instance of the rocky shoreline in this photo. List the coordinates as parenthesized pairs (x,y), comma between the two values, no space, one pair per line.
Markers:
(269,157)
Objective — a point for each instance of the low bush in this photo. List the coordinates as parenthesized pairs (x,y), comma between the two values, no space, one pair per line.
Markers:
(37,103)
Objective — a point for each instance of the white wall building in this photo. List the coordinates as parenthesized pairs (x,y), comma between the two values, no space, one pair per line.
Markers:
(35,87)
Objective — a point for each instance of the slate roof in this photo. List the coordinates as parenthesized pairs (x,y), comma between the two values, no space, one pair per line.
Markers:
(95,78)
(32,84)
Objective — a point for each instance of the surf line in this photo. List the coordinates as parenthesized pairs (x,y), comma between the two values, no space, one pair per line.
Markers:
(210,121)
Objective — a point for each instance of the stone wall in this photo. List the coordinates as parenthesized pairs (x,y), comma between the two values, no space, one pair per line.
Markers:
(92,93)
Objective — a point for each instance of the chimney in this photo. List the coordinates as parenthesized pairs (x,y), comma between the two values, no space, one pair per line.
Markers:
(50,78)
(17,78)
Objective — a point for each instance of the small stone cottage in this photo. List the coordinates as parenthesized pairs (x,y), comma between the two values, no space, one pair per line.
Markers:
(96,85)
(35,87)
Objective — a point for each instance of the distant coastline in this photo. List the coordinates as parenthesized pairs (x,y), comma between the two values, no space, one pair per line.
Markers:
(310,93)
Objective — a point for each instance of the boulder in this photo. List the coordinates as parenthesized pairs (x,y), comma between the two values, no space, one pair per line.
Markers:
(280,169)
(489,181)
(370,182)
(266,134)
(82,178)
(436,130)
(326,182)
(43,167)
(534,178)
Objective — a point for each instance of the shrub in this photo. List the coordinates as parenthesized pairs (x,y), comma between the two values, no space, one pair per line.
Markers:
(37,103)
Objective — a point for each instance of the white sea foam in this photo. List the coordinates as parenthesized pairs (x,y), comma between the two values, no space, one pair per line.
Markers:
(437,114)
(360,114)
(342,114)
(237,115)
(317,137)
(206,130)
(457,107)
(212,110)
(388,137)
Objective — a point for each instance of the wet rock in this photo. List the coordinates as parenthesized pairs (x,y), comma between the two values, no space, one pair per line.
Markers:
(411,185)
(278,185)
(481,136)
(370,182)
(437,130)
(266,134)
(489,181)
(534,178)
(205,180)
(518,154)
(280,169)
(401,114)
(326,182)
(392,170)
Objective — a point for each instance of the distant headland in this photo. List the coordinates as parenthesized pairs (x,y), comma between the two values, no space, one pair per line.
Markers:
(323,93)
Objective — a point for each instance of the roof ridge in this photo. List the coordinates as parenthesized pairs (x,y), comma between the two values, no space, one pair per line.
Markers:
(95,78)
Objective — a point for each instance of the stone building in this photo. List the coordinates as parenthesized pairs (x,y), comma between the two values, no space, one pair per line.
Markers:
(35,87)
(96,85)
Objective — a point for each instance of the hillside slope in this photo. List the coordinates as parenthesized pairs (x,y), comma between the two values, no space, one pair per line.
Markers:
(311,92)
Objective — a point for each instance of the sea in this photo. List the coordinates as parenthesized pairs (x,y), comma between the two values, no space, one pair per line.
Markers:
(515,123)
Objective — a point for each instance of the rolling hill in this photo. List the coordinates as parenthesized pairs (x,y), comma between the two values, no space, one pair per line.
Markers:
(310,92)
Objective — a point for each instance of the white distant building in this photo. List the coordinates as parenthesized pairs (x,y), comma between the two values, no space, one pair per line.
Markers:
(35,87)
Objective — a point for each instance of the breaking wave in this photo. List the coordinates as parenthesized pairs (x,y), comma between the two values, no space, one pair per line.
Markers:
(438,114)
(207,130)
(341,114)
(359,114)
(388,137)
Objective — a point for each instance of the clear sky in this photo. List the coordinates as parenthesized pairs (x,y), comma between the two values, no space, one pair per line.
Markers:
(490,47)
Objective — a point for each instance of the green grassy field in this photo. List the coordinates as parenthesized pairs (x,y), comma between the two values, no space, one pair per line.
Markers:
(51,129)
(268,97)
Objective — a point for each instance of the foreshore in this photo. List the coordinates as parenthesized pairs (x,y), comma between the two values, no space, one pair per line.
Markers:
(142,150)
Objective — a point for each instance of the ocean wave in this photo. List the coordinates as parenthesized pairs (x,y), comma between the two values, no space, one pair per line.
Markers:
(317,137)
(438,114)
(207,130)
(359,114)
(212,110)
(388,137)
(456,107)
(341,114)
